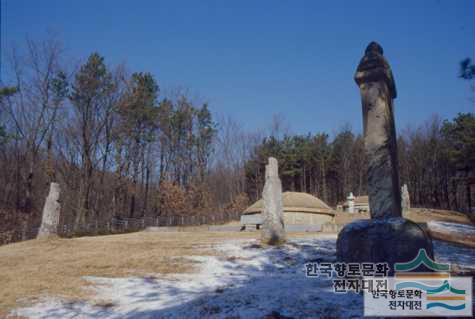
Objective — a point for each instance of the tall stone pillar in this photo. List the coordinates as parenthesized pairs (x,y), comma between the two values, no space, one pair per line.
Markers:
(377,88)
(51,213)
(405,199)
(273,232)
(386,237)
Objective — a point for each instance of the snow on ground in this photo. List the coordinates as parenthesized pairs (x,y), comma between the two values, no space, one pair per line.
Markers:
(468,230)
(245,281)
(450,253)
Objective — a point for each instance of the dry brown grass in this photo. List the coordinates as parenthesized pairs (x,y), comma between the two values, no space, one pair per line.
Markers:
(342,218)
(417,215)
(423,215)
(34,268)
(454,237)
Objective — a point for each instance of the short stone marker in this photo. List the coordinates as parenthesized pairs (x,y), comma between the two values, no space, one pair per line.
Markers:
(51,213)
(273,232)
(386,237)
(405,199)
(351,203)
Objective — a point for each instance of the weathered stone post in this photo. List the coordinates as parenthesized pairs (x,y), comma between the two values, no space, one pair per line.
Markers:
(51,213)
(351,203)
(386,237)
(377,88)
(273,232)
(405,199)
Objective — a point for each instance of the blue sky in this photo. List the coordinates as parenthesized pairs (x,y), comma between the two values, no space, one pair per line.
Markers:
(252,59)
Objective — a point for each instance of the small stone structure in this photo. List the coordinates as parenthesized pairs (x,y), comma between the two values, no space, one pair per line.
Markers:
(273,232)
(360,204)
(405,199)
(51,213)
(386,237)
(351,203)
(251,221)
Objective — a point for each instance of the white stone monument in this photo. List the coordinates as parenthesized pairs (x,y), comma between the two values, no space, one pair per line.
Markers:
(351,203)
(51,213)
(405,199)
(273,232)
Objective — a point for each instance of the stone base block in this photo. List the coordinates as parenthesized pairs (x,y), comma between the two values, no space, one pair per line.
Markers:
(390,240)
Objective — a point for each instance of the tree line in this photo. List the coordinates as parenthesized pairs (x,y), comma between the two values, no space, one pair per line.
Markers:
(116,146)
(121,148)
(436,161)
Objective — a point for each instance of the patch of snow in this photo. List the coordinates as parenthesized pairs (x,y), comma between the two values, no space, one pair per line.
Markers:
(243,281)
(450,253)
(451,227)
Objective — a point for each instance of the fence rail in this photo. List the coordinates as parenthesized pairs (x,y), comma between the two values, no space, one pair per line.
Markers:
(122,225)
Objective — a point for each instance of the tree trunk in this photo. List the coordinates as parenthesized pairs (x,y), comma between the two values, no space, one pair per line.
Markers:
(324,181)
